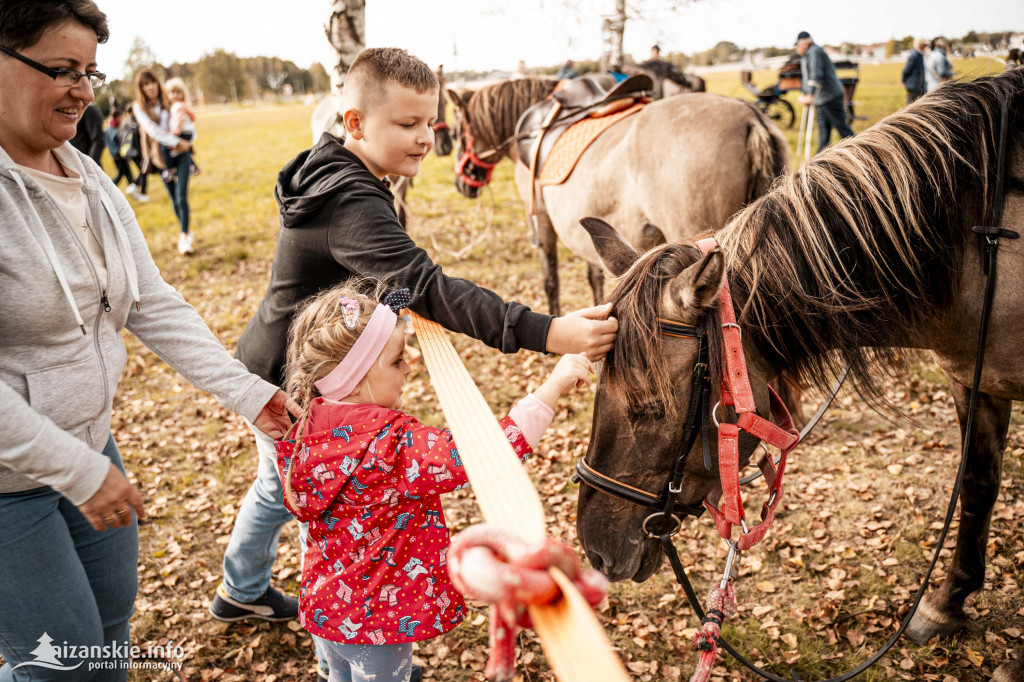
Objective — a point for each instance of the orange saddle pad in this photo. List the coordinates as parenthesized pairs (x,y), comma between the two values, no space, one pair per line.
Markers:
(571,144)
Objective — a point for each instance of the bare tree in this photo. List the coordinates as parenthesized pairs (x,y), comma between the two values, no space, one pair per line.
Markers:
(346,32)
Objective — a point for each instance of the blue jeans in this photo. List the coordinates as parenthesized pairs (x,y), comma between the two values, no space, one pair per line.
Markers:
(831,115)
(178,188)
(61,579)
(366,662)
(252,549)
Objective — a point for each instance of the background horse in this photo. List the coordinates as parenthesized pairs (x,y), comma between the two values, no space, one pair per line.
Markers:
(679,167)
(865,250)
(668,78)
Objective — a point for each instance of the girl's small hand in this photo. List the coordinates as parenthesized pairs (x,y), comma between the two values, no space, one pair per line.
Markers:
(572,371)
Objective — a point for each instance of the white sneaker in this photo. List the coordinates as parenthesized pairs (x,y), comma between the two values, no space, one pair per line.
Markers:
(133,192)
(142,198)
(185,243)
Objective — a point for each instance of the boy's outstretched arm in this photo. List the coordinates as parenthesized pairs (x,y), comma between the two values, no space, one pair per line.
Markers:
(590,331)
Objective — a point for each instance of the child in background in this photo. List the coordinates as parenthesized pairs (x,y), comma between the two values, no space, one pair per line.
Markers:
(112,138)
(367,478)
(182,124)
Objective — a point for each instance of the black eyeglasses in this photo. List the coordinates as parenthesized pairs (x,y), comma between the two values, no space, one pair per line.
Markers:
(66,77)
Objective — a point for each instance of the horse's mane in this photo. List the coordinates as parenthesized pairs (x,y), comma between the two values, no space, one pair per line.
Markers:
(850,256)
(860,250)
(495,109)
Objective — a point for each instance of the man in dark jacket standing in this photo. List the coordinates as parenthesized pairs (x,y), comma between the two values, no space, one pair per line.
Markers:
(913,71)
(821,88)
(89,137)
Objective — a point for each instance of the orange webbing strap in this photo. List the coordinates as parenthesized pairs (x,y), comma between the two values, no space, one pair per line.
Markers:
(577,647)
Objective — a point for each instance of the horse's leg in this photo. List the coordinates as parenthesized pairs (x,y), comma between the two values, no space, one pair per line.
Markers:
(547,240)
(595,275)
(942,611)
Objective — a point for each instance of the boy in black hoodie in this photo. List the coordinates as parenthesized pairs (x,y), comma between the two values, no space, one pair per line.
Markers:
(338,220)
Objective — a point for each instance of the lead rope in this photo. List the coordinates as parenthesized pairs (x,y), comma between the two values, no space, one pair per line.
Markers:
(576,646)
(992,234)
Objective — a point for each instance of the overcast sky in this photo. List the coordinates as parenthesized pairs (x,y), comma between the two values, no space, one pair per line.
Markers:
(495,34)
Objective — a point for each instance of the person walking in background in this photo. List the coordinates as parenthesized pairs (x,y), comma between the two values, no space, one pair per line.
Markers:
(152,111)
(131,150)
(938,69)
(1013,59)
(913,71)
(88,138)
(112,138)
(77,274)
(822,89)
(567,71)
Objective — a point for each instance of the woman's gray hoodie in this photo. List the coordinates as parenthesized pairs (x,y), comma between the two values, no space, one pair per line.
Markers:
(61,351)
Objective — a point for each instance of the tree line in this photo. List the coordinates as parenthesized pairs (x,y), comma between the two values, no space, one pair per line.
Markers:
(220,76)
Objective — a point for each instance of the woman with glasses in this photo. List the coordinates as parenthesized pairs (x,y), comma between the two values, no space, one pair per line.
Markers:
(74,272)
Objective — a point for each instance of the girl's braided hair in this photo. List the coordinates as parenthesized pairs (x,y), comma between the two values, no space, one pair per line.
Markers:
(318,340)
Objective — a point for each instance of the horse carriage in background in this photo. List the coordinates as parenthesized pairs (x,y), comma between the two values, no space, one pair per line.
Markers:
(770,101)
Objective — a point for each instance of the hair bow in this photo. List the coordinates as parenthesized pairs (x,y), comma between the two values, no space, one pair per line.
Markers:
(398,299)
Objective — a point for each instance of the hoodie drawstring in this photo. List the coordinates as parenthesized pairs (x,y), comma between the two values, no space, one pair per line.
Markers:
(39,232)
(120,238)
(131,273)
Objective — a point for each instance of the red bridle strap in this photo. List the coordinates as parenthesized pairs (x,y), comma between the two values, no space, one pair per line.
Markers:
(737,393)
(469,157)
(440,125)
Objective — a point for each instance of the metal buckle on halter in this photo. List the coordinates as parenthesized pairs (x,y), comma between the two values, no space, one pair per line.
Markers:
(714,413)
(674,531)
(674,489)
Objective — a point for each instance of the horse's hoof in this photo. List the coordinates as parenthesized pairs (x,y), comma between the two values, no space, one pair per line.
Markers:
(1010,672)
(929,622)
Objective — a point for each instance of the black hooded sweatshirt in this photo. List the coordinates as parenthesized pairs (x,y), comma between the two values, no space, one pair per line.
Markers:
(339,221)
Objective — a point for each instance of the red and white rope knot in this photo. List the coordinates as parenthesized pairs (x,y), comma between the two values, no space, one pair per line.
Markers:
(494,565)
(721,605)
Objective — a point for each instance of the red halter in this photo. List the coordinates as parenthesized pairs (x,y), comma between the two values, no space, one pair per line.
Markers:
(474,163)
(737,393)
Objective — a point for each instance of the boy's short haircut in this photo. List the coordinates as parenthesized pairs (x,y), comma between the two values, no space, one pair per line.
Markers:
(377,67)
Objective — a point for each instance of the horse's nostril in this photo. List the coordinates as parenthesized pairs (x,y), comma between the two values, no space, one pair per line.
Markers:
(597,561)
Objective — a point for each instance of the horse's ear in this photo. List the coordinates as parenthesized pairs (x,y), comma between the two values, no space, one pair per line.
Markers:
(615,253)
(696,287)
(457,100)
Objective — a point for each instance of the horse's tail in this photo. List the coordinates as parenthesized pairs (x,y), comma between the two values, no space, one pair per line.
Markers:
(768,152)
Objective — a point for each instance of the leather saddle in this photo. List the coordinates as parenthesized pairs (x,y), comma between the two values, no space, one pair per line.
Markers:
(589,96)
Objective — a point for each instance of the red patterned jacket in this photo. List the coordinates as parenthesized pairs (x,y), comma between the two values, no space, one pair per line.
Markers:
(367,480)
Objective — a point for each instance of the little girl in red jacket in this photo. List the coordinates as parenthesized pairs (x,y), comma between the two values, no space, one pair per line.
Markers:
(367,478)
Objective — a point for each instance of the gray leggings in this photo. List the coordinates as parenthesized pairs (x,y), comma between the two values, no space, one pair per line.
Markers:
(367,662)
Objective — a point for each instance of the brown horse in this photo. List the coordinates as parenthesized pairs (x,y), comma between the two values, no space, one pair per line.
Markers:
(679,167)
(865,250)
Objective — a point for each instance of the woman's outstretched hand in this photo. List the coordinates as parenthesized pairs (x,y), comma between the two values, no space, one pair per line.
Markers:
(273,420)
(590,331)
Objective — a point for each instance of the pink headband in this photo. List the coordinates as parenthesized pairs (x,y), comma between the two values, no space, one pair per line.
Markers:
(343,379)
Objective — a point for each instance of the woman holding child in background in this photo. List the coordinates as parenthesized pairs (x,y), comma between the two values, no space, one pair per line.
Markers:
(152,111)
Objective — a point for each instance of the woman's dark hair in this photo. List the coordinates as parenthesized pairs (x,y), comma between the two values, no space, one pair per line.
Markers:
(23,22)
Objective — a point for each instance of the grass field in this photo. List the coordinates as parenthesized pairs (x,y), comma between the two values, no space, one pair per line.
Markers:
(863,497)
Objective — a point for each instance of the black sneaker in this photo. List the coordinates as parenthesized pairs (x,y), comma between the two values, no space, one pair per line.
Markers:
(274,606)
